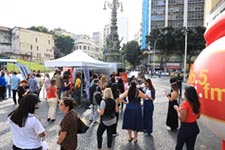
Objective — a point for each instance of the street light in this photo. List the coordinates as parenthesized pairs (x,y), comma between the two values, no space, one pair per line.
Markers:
(154,53)
(115,3)
(185,32)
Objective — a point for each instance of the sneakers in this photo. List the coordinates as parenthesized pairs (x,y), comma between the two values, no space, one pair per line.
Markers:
(95,123)
(147,134)
(115,134)
(171,129)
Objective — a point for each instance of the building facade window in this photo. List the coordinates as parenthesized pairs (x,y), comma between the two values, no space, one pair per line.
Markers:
(37,48)
(36,40)
(31,47)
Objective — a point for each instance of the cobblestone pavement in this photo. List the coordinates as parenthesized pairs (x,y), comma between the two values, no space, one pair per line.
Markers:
(161,139)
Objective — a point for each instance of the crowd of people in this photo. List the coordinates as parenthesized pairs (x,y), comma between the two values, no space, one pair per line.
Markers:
(107,98)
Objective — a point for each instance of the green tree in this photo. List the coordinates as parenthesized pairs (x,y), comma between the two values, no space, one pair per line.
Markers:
(195,42)
(64,43)
(163,40)
(131,52)
(39,29)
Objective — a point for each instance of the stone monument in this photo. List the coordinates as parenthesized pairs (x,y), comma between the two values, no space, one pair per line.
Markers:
(112,53)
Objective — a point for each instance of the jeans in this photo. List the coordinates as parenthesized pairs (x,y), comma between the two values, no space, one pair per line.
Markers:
(14,96)
(8,88)
(115,125)
(52,107)
(2,92)
(77,96)
(59,90)
(101,129)
(187,134)
(94,114)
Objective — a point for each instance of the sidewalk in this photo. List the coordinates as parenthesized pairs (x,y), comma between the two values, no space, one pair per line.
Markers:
(161,138)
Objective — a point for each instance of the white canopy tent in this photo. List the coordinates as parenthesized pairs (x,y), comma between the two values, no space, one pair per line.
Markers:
(77,59)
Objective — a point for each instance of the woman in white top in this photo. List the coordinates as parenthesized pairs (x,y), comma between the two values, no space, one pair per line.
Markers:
(26,129)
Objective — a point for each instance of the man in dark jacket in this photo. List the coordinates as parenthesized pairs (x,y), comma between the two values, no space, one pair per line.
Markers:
(94,115)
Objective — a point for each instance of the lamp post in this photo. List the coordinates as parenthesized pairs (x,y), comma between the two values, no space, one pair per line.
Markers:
(112,53)
(185,32)
(154,53)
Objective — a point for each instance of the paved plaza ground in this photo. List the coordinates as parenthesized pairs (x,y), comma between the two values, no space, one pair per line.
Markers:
(161,138)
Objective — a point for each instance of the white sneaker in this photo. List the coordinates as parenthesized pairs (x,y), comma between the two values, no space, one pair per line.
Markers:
(168,128)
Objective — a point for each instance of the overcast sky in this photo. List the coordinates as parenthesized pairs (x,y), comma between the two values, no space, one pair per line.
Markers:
(76,16)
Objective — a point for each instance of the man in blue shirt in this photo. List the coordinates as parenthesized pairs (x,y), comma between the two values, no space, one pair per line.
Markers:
(33,84)
(2,86)
(15,81)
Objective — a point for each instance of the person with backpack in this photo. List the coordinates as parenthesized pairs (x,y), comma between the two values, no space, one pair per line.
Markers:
(95,91)
(107,111)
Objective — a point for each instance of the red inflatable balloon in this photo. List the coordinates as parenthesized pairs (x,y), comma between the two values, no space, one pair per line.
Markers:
(208,77)
(216,30)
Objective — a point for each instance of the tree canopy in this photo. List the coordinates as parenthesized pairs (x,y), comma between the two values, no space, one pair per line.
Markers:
(131,52)
(170,40)
(39,29)
(163,40)
(64,43)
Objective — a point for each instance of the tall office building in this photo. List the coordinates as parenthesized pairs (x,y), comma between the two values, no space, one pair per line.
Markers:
(212,9)
(171,13)
(106,32)
(165,13)
(145,23)
(97,38)
(122,23)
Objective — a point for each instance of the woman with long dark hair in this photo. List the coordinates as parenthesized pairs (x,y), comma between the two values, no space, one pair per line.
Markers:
(52,98)
(172,118)
(188,114)
(115,92)
(26,128)
(121,88)
(68,133)
(133,119)
(149,107)
(22,90)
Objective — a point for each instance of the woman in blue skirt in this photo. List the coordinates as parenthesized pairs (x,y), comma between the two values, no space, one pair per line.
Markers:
(133,119)
(149,107)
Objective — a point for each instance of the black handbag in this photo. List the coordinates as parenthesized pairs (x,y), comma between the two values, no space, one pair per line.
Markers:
(81,126)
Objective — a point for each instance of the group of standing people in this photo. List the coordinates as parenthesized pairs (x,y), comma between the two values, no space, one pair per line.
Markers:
(136,119)
(114,96)
(10,83)
(187,113)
